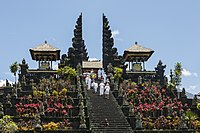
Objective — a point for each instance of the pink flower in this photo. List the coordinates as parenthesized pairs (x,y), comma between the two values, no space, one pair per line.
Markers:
(69,106)
(64,112)
(60,105)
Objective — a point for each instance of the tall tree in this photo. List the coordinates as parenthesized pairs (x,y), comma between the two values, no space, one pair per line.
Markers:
(14,68)
(78,52)
(177,74)
(110,54)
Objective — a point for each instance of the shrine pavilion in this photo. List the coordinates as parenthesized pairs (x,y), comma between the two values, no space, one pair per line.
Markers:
(135,58)
(45,54)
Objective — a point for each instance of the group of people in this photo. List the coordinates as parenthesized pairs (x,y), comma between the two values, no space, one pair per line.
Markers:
(104,87)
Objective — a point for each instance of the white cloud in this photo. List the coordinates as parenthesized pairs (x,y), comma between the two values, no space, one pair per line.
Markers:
(3,82)
(191,87)
(93,59)
(115,33)
(187,73)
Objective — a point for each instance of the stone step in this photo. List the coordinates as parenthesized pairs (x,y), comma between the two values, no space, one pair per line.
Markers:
(100,108)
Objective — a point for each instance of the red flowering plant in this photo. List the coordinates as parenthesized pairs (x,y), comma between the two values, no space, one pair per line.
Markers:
(131,93)
(51,111)
(20,109)
(152,99)
(58,109)
(27,110)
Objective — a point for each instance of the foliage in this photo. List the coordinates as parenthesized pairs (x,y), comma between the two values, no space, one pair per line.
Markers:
(161,123)
(117,73)
(190,117)
(7,125)
(50,126)
(63,91)
(177,74)
(67,72)
(25,125)
(196,124)
(148,123)
(57,125)
(55,93)
(38,93)
(171,86)
(198,106)
(14,68)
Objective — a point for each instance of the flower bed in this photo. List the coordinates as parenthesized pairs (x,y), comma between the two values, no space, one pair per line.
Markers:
(157,109)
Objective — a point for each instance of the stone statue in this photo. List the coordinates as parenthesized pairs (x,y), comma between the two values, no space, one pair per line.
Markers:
(81,109)
(140,80)
(131,110)
(23,81)
(110,69)
(82,121)
(41,108)
(183,123)
(138,121)
(14,92)
(79,69)
(125,98)
(1,110)
(160,70)
(8,98)
(37,122)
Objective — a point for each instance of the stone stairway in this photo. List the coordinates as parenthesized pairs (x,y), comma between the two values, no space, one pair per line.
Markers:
(100,109)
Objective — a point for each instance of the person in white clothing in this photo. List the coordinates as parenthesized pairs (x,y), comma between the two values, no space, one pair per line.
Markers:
(107,91)
(86,80)
(99,74)
(89,83)
(101,85)
(95,86)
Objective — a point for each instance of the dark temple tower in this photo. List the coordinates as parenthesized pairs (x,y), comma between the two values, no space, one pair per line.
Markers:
(78,52)
(110,54)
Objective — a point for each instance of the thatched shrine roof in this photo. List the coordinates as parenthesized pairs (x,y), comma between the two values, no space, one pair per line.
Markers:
(45,52)
(137,53)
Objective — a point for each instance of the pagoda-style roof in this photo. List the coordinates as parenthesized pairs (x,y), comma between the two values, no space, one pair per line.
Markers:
(45,52)
(137,53)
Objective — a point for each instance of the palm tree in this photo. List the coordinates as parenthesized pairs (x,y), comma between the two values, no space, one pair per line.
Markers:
(13,69)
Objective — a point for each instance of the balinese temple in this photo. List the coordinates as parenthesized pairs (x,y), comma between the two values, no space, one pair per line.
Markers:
(135,58)
(45,54)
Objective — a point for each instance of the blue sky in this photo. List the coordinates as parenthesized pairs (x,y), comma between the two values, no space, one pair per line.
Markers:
(171,28)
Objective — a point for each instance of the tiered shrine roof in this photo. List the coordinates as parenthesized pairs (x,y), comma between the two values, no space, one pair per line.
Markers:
(45,51)
(137,53)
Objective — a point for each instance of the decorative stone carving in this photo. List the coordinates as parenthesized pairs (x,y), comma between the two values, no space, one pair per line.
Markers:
(160,70)
(110,54)
(78,52)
